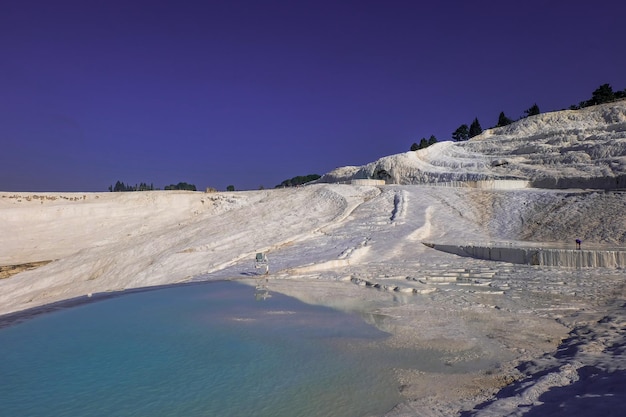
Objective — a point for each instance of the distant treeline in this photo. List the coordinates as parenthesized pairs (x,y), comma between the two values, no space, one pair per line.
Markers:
(299,180)
(603,94)
(121,187)
(181,186)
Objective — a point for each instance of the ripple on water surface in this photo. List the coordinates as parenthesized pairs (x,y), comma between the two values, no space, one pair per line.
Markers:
(196,350)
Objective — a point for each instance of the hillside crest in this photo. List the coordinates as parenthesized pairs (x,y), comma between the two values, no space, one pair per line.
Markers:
(565,149)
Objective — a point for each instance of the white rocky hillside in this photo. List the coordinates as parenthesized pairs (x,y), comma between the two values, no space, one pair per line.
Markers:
(565,149)
(359,248)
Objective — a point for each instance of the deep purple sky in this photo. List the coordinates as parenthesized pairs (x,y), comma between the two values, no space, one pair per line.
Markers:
(250,93)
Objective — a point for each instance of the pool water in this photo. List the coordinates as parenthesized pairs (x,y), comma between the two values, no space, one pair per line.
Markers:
(207,349)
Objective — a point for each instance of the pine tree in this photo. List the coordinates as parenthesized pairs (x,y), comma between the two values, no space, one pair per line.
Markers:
(475,128)
(532,111)
(432,140)
(503,120)
(119,186)
(461,133)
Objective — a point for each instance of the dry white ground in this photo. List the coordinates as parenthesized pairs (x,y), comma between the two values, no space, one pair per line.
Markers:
(554,338)
(357,249)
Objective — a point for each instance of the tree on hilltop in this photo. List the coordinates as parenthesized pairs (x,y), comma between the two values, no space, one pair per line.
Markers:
(532,111)
(475,129)
(424,143)
(602,94)
(461,133)
(503,120)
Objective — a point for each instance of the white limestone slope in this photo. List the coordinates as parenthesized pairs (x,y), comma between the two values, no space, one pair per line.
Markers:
(322,240)
(359,248)
(114,241)
(566,149)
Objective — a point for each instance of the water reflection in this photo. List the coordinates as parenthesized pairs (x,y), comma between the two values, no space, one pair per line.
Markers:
(261,290)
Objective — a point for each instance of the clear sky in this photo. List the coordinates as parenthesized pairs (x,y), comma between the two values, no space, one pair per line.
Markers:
(253,92)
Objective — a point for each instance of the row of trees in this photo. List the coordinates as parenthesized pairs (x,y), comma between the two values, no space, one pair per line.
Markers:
(121,187)
(465,132)
(603,94)
(424,143)
(181,186)
(299,180)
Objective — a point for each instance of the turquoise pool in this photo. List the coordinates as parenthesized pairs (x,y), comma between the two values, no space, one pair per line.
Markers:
(207,349)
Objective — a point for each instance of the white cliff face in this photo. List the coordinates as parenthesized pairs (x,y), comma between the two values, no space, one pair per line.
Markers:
(566,149)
